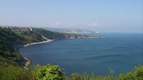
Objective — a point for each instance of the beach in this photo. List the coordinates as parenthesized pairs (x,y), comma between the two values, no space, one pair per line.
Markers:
(34,43)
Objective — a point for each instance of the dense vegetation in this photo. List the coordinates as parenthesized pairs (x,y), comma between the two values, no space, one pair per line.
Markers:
(30,36)
(7,55)
(11,62)
(53,72)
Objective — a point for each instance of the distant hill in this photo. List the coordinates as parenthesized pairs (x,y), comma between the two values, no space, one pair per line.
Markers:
(57,35)
(64,30)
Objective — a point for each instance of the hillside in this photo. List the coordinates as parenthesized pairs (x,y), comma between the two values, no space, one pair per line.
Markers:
(30,36)
(7,55)
(57,35)
(65,30)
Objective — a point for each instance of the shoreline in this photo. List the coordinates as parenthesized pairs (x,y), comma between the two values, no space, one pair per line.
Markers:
(34,43)
(27,60)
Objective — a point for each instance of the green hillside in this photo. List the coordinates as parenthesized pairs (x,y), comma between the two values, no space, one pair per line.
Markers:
(30,36)
(7,55)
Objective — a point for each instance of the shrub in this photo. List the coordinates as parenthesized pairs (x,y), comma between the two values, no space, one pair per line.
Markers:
(136,75)
(48,72)
(15,73)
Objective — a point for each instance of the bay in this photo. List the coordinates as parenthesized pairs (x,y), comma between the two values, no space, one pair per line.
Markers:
(119,51)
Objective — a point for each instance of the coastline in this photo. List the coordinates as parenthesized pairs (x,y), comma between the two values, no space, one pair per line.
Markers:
(27,61)
(34,43)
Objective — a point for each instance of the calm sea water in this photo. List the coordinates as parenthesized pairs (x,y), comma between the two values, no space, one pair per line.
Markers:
(120,52)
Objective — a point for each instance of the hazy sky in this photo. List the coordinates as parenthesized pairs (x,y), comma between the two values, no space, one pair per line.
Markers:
(97,15)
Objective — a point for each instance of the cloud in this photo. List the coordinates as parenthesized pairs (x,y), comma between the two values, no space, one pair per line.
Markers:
(56,24)
(94,25)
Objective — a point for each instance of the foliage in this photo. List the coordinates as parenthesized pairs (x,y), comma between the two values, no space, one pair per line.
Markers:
(86,76)
(48,72)
(30,36)
(137,75)
(133,75)
(53,72)
(7,54)
(15,73)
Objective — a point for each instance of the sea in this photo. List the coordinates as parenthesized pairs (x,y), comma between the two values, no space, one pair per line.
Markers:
(120,52)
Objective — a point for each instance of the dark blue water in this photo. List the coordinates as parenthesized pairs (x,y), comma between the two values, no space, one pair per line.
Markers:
(120,52)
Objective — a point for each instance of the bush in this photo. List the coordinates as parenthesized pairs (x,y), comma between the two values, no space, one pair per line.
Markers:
(53,72)
(48,72)
(137,75)
(15,73)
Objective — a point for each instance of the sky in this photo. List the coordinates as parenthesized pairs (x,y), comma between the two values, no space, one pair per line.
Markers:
(97,15)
